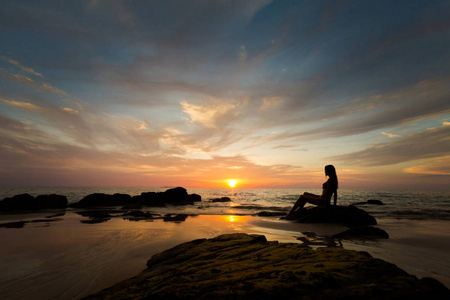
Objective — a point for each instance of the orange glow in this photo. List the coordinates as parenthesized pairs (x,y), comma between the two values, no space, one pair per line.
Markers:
(232,182)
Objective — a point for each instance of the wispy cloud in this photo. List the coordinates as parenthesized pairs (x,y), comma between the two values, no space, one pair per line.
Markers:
(21,67)
(430,143)
(391,135)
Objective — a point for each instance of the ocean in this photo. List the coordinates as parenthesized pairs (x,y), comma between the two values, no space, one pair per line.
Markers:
(414,205)
(59,256)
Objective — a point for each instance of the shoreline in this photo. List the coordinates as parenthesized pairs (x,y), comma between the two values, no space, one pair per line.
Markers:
(70,260)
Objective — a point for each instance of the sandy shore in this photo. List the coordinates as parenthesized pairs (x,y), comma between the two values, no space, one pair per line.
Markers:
(66,259)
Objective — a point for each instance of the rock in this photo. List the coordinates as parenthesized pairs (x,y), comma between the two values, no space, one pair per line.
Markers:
(132,206)
(362,232)
(52,201)
(101,199)
(21,224)
(95,216)
(375,202)
(372,201)
(175,218)
(195,198)
(242,266)
(270,214)
(26,202)
(346,215)
(22,202)
(174,196)
(18,224)
(138,215)
(95,220)
(223,199)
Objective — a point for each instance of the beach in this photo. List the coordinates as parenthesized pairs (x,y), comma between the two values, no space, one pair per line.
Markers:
(68,259)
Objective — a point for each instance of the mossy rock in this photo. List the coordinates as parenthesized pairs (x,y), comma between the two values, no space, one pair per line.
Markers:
(241,266)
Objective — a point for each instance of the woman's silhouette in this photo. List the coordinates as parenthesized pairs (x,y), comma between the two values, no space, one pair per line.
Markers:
(328,189)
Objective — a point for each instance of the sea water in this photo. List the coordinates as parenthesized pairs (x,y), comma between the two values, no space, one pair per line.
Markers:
(415,205)
(69,259)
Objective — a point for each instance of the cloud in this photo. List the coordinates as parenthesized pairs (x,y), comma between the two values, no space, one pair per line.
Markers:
(21,67)
(391,135)
(211,113)
(242,54)
(270,102)
(430,143)
(28,81)
(426,99)
(438,166)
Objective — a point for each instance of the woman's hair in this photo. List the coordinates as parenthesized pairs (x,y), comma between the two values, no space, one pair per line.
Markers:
(330,171)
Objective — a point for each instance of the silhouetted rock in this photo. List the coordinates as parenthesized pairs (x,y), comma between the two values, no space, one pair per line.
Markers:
(96,213)
(195,198)
(96,216)
(101,199)
(138,215)
(175,196)
(347,215)
(223,199)
(372,201)
(362,232)
(22,202)
(270,214)
(18,224)
(21,224)
(95,220)
(242,266)
(52,201)
(175,218)
(26,202)
(132,206)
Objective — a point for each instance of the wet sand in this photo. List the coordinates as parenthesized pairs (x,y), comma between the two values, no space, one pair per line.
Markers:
(66,259)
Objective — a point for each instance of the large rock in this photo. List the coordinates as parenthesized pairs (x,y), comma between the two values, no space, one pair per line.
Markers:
(175,196)
(347,215)
(101,199)
(241,266)
(52,201)
(26,202)
(20,202)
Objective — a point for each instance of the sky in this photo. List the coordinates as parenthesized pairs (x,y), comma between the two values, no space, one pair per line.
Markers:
(193,93)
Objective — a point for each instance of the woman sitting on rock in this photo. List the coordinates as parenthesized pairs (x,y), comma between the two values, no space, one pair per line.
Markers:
(328,189)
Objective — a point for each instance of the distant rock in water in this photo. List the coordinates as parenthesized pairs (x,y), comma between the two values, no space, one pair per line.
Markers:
(26,202)
(372,201)
(175,196)
(223,199)
(242,266)
(347,215)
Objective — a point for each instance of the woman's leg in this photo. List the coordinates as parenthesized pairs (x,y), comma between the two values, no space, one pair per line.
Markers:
(303,199)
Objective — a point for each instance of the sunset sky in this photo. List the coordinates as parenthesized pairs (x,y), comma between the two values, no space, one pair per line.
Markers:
(194,93)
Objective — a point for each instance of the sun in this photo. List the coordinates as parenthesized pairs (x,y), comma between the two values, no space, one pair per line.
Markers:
(232,182)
